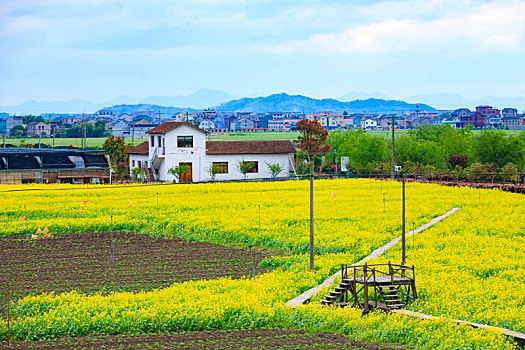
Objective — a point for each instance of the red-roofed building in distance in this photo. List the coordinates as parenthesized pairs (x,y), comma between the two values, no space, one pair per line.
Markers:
(492,116)
(179,143)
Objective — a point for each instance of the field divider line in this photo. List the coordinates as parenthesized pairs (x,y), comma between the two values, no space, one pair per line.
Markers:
(305,296)
(505,331)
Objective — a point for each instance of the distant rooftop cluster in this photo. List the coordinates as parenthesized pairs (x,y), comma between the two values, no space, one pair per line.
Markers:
(109,121)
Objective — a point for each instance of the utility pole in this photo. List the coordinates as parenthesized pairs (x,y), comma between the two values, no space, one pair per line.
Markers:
(417,114)
(403,240)
(208,114)
(312,266)
(133,131)
(160,117)
(393,161)
(187,117)
(82,132)
(364,119)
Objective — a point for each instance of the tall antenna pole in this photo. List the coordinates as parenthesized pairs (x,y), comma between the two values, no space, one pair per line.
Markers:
(159,116)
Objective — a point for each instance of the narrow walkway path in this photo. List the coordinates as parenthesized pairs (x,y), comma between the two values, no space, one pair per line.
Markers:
(508,332)
(301,299)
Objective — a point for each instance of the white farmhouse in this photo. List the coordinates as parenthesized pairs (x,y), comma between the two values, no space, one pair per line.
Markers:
(177,143)
(370,124)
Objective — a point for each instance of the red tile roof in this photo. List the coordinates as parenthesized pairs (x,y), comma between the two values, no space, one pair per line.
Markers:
(249,147)
(143,148)
(233,147)
(168,126)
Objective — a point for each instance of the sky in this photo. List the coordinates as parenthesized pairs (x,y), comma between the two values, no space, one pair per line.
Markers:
(100,49)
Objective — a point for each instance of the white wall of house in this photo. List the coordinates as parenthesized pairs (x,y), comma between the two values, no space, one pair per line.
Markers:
(164,148)
(170,155)
(370,123)
(234,159)
(135,159)
(202,163)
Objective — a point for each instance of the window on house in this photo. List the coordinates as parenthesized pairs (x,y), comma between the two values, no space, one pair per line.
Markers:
(160,140)
(152,141)
(184,141)
(222,167)
(254,166)
(132,163)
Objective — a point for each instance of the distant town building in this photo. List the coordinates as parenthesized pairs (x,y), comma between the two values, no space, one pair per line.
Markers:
(509,112)
(38,129)
(476,120)
(370,124)
(7,123)
(460,112)
(487,111)
(135,128)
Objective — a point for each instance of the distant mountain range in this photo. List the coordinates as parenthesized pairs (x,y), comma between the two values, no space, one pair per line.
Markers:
(352,102)
(453,101)
(299,103)
(356,95)
(201,99)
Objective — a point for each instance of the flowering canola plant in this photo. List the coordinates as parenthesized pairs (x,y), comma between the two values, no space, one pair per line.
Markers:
(459,274)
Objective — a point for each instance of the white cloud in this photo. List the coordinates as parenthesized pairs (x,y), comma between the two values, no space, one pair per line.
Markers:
(488,27)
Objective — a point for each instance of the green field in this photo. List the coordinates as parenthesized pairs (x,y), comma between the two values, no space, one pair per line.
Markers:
(77,142)
(229,136)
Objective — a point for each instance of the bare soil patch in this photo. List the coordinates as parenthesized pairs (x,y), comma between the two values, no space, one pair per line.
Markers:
(82,262)
(255,339)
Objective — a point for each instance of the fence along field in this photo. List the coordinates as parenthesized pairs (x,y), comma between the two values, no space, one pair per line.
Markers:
(353,217)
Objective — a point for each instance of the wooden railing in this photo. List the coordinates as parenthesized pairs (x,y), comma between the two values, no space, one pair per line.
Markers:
(369,272)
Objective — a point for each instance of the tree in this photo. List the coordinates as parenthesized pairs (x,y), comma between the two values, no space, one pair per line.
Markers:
(363,150)
(509,173)
(139,174)
(275,169)
(245,167)
(116,148)
(457,160)
(213,170)
(121,170)
(312,139)
(18,131)
(178,170)
(31,118)
(478,171)
(491,146)
(422,151)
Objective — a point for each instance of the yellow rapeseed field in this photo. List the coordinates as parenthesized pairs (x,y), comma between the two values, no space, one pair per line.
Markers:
(470,266)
